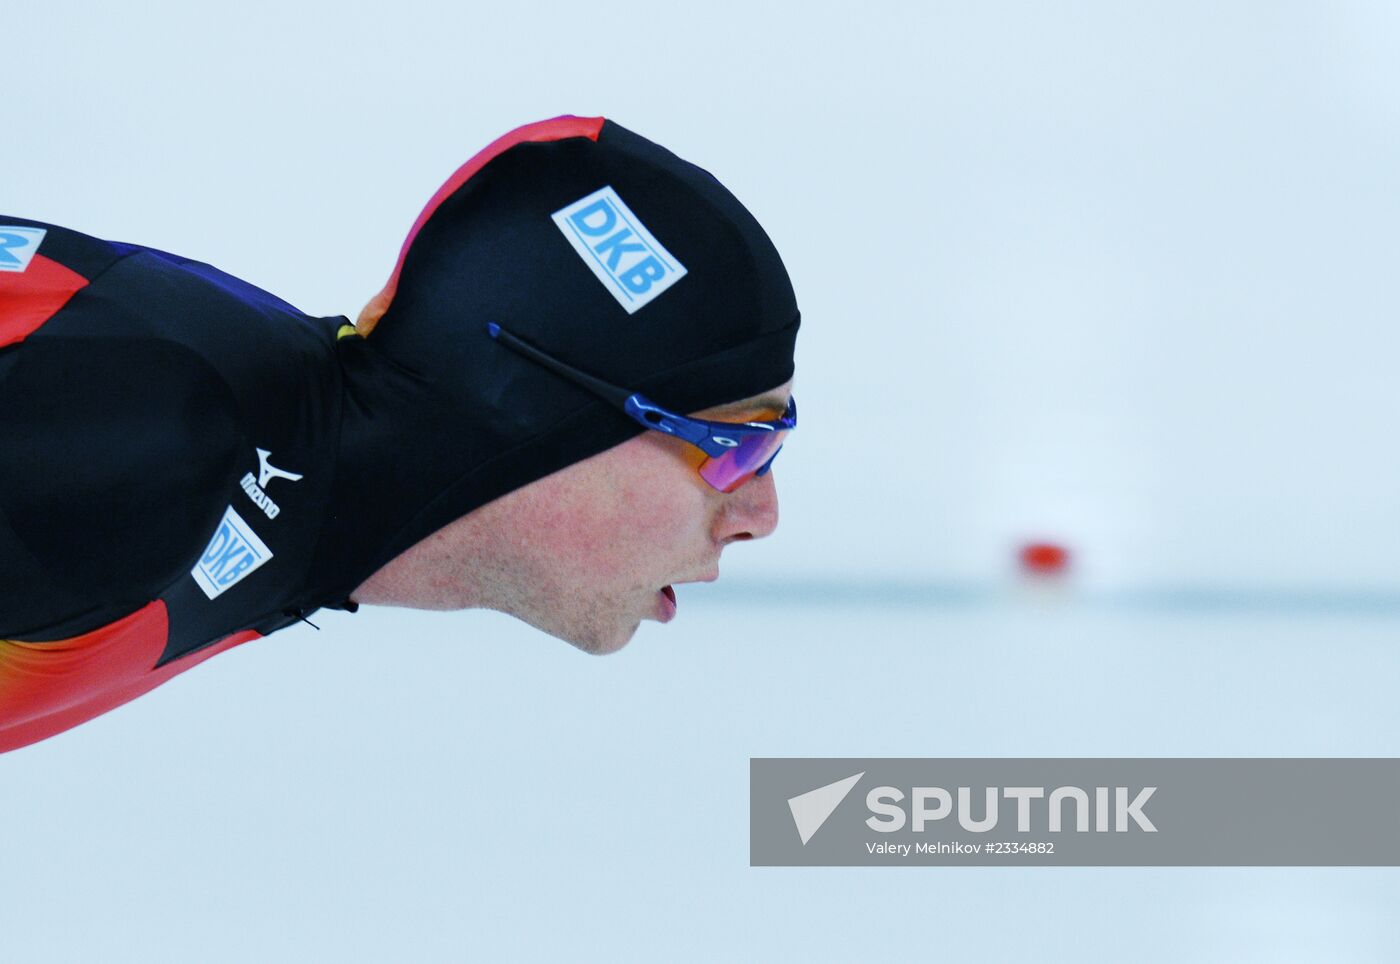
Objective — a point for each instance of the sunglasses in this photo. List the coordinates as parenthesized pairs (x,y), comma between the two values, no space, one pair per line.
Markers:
(733,452)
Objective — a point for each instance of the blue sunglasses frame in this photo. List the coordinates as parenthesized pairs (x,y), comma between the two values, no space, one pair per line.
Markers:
(715,439)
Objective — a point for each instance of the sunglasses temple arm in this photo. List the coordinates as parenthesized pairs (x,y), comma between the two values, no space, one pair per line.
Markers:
(618,396)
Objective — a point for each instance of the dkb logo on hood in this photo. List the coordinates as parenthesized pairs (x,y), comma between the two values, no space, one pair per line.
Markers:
(618,248)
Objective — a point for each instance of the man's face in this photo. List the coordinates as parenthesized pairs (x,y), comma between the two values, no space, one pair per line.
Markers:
(583,554)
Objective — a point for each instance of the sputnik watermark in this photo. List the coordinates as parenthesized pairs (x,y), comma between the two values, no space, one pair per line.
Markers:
(1144,811)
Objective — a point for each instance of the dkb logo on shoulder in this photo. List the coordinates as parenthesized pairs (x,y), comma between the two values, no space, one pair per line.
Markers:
(618,248)
(18,244)
(233,553)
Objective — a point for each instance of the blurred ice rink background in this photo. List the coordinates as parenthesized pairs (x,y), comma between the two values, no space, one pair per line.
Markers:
(1120,277)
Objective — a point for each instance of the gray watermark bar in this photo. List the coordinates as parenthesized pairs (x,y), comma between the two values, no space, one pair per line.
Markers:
(1130,812)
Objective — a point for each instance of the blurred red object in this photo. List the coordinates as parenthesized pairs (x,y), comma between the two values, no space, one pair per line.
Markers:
(1044,558)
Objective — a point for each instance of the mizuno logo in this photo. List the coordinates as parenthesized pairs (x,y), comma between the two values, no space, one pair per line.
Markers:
(234,551)
(17,246)
(266,473)
(618,248)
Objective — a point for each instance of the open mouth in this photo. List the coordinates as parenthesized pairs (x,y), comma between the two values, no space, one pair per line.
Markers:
(666,605)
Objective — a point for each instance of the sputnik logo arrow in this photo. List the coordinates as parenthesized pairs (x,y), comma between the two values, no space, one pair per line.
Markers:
(810,809)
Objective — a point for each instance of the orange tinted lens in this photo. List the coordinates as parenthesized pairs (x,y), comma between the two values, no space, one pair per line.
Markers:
(737,465)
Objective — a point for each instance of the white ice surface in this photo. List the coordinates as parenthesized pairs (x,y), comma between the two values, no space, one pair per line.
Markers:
(444,787)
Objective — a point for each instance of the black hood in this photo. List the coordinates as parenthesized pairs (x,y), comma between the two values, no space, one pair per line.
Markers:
(438,419)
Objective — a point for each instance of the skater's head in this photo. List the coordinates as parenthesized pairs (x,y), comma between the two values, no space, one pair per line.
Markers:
(569,255)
